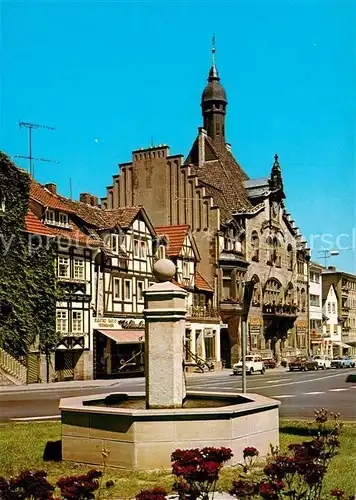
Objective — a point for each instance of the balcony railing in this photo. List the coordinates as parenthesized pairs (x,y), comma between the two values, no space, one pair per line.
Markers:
(283,310)
(203,312)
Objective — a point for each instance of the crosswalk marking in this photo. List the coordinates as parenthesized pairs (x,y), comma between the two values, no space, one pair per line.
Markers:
(313,393)
(277,380)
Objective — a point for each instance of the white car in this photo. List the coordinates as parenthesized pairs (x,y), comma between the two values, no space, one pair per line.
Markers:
(323,362)
(254,364)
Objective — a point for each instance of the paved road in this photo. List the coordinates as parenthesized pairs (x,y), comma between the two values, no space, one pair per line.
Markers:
(299,393)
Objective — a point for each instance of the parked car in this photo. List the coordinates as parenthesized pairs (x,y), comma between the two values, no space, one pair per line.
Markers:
(302,364)
(254,364)
(269,362)
(343,362)
(323,362)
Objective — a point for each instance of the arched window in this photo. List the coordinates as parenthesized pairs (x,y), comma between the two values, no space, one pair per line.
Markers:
(303,300)
(289,299)
(298,298)
(290,261)
(272,293)
(269,243)
(277,256)
(255,246)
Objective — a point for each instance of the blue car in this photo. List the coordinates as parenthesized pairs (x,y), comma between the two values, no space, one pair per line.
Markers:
(343,362)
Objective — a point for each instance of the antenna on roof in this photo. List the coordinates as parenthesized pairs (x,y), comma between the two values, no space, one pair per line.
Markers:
(30,127)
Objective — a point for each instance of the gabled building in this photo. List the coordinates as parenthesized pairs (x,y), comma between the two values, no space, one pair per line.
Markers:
(345,290)
(332,344)
(75,250)
(241,227)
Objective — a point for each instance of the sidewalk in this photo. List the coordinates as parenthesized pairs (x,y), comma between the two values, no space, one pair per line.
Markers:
(71,384)
(92,384)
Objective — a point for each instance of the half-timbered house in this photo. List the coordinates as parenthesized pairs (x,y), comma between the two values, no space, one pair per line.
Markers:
(75,249)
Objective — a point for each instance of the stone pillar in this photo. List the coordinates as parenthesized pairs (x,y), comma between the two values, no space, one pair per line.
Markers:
(164,314)
(193,342)
(217,346)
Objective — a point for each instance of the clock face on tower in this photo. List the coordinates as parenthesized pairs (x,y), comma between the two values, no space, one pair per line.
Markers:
(275,209)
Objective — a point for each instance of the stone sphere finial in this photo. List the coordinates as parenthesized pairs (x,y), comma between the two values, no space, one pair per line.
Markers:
(164,270)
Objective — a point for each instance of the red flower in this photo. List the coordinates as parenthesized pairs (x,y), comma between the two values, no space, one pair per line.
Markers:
(251,452)
(153,494)
(268,491)
(242,489)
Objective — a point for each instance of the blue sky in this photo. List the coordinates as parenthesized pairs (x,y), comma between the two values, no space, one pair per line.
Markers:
(129,72)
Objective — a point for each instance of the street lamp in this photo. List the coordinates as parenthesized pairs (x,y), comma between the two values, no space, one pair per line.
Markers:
(326,254)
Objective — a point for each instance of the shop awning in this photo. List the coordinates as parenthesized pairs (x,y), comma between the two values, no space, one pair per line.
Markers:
(125,336)
(345,346)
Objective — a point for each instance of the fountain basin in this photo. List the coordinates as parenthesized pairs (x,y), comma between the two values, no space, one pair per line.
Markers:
(140,438)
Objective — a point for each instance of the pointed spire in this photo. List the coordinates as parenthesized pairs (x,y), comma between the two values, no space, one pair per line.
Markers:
(276,175)
(276,165)
(213,73)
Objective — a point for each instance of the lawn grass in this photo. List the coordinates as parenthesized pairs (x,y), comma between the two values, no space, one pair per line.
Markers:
(22,446)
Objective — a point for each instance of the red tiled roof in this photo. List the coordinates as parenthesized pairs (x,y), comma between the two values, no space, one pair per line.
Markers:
(46,198)
(122,216)
(202,284)
(175,235)
(35,226)
(76,235)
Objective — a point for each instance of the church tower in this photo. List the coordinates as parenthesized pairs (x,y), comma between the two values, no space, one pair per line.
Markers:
(213,105)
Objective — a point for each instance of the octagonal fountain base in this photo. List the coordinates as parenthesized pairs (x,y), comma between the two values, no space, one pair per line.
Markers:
(134,437)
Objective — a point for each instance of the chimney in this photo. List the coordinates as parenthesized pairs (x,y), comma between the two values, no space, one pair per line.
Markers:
(331,268)
(51,187)
(228,147)
(85,198)
(89,199)
(94,201)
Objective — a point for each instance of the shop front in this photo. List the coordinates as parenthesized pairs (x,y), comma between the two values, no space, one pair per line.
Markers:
(119,348)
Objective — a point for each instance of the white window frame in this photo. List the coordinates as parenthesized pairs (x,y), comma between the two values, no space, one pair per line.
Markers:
(140,299)
(114,243)
(125,289)
(115,282)
(62,320)
(78,265)
(63,218)
(77,323)
(143,249)
(62,258)
(136,248)
(50,216)
(186,270)
(161,253)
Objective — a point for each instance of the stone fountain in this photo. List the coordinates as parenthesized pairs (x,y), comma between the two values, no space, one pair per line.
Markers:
(140,431)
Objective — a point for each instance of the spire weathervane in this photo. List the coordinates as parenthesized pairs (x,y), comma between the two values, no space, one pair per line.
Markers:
(213,50)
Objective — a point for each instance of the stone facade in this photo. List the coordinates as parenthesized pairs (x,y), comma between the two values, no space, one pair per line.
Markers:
(241,226)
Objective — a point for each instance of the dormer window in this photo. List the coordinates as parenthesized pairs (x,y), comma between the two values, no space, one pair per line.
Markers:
(114,243)
(63,218)
(161,252)
(50,216)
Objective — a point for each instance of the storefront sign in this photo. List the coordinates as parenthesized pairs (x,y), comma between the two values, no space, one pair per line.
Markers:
(118,324)
(255,326)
